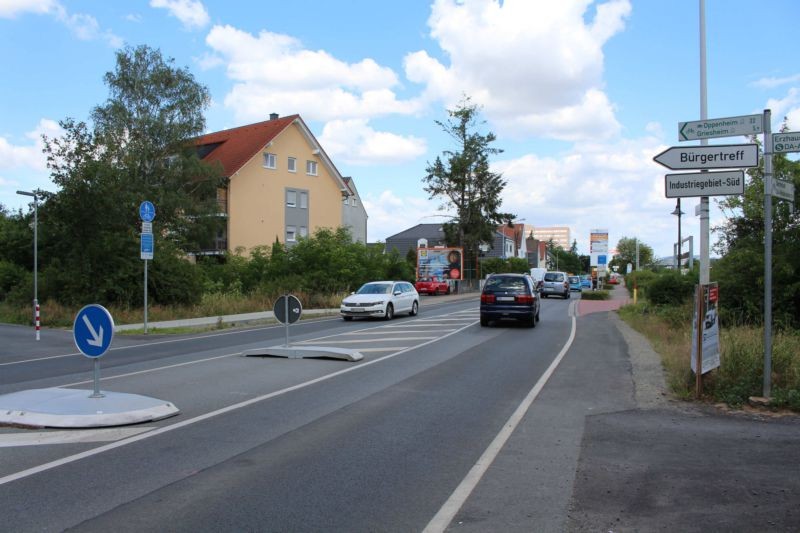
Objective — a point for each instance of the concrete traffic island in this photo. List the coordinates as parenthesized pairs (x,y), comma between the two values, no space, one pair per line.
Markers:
(75,408)
(294,352)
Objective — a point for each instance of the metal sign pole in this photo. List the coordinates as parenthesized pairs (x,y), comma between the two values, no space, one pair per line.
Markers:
(286,315)
(767,253)
(145,296)
(97,393)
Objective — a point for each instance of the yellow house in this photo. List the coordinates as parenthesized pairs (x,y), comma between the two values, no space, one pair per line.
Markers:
(280,183)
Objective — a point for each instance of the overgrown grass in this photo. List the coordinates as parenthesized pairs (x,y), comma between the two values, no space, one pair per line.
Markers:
(215,304)
(740,375)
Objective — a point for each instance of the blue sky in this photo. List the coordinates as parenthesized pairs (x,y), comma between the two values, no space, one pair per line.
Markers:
(581,94)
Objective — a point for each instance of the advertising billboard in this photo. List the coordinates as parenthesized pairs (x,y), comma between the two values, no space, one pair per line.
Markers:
(441,263)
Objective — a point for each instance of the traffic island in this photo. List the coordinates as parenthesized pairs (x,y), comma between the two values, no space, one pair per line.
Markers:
(292,352)
(75,408)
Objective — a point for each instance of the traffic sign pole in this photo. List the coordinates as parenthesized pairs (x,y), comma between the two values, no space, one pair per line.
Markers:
(767,254)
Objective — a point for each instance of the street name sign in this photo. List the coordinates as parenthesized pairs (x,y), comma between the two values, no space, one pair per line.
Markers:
(720,127)
(93,330)
(786,142)
(783,189)
(690,184)
(146,250)
(705,157)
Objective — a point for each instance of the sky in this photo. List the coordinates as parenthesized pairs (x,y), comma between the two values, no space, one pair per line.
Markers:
(581,94)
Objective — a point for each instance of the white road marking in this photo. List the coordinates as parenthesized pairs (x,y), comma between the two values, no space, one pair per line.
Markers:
(456,500)
(39,438)
(349,341)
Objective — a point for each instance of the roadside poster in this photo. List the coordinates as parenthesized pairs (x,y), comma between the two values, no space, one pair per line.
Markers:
(710,328)
(441,263)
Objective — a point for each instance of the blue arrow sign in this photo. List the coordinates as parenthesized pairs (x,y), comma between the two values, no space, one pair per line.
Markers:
(147,211)
(93,330)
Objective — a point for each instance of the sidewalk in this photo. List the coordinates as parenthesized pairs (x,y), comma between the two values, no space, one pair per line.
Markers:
(619,297)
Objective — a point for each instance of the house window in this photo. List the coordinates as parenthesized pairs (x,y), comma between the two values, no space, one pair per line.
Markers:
(303,200)
(353,201)
(303,231)
(270,160)
(292,164)
(291,234)
(311,168)
(344,200)
(291,198)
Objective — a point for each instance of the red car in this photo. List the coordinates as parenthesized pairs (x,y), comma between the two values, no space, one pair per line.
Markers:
(432,286)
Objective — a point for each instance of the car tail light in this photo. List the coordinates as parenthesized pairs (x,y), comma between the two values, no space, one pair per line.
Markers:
(566,284)
(487,298)
(524,299)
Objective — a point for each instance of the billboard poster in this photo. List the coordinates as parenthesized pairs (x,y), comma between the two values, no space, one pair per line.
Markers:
(598,247)
(710,328)
(441,263)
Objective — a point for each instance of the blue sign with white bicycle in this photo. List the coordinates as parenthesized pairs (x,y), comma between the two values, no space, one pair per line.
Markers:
(147,211)
(93,330)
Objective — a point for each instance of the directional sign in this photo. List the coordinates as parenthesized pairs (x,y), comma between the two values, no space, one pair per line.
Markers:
(295,309)
(146,250)
(147,211)
(704,184)
(786,142)
(704,157)
(783,189)
(720,127)
(93,330)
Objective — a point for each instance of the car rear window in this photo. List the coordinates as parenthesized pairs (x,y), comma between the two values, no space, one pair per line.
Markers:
(553,276)
(502,283)
(574,279)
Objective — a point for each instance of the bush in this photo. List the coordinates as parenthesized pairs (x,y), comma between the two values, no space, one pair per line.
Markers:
(670,288)
(595,295)
(639,279)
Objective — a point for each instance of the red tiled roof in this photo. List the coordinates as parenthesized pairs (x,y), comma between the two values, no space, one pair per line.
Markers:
(237,146)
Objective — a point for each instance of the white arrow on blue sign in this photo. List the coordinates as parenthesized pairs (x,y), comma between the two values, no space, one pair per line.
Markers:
(93,330)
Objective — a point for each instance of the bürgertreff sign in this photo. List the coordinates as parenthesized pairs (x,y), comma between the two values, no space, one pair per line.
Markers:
(704,184)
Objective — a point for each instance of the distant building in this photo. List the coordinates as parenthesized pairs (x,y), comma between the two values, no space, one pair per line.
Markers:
(354,216)
(560,235)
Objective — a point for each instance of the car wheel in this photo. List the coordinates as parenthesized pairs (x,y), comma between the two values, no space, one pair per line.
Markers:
(537,315)
(447,291)
(484,322)
(414,309)
(389,312)
(567,296)
(347,318)
(532,321)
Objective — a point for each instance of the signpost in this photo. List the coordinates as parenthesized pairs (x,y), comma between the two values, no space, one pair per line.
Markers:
(786,142)
(147,212)
(720,127)
(287,310)
(93,332)
(690,184)
(706,157)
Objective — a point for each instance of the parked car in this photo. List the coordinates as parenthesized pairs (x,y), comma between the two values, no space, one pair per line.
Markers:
(510,297)
(614,279)
(556,284)
(575,283)
(381,299)
(586,281)
(432,285)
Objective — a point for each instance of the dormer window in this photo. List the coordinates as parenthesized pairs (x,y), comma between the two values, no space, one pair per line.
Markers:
(270,160)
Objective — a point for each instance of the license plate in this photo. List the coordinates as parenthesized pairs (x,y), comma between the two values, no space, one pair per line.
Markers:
(357,310)
(505,298)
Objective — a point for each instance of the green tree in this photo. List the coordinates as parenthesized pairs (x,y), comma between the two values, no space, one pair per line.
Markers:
(140,148)
(740,270)
(626,253)
(463,181)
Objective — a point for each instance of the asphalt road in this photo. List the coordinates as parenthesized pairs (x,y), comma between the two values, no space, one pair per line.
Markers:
(443,425)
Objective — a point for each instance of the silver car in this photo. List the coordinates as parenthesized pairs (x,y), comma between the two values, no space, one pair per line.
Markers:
(556,283)
(381,299)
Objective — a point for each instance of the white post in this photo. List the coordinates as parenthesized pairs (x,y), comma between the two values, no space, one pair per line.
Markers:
(704,225)
(767,253)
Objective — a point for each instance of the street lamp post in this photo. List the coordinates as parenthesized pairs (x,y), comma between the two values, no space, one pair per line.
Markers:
(35,197)
(678,213)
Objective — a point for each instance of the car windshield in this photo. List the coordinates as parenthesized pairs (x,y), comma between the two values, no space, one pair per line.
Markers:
(375,288)
(553,276)
(501,283)
(574,279)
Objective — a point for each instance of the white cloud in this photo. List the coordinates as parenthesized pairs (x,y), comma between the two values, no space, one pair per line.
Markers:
(273,73)
(28,156)
(355,143)
(390,214)
(771,83)
(84,27)
(191,13)
(535,66)
(788,107)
